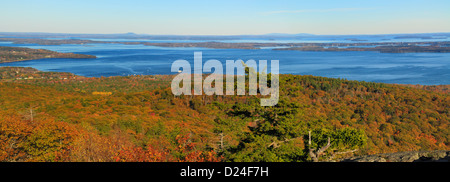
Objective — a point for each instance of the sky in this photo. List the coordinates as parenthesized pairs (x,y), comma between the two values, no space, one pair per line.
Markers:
(225,17)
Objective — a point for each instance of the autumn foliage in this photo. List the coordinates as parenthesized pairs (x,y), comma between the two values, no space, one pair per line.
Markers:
(61,120)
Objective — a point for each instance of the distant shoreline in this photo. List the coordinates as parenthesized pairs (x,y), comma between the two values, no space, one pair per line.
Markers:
(382,47)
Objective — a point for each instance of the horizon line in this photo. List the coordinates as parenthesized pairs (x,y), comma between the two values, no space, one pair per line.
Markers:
(275,33)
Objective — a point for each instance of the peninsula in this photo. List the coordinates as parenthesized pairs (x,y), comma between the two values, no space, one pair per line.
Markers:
(14,54)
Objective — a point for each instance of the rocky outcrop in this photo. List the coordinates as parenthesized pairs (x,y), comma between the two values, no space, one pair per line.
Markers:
(411,156)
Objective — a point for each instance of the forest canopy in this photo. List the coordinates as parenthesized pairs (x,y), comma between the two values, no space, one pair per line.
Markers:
(63,117)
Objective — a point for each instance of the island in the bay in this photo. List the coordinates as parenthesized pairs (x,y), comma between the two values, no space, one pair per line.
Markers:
(431,43)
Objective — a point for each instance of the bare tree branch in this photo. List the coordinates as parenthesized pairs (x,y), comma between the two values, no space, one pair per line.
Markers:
(315,156)
(311,151)
(321,150)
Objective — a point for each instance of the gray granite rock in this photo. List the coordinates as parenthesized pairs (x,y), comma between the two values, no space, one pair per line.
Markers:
(411,156)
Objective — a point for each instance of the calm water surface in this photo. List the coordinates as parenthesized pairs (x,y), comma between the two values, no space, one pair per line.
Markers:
(121,60)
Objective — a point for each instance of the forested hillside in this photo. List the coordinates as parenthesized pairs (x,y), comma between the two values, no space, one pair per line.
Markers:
(13,54)
(137,118)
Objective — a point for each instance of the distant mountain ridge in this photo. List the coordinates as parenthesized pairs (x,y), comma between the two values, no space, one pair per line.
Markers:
(202,37)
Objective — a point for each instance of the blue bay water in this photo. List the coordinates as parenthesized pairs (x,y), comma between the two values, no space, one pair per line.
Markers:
(123,60)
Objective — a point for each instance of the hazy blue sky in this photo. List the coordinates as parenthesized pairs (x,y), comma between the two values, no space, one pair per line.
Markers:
(230,17)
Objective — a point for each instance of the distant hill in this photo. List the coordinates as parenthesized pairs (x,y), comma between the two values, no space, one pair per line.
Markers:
(288,35)
(198,37)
